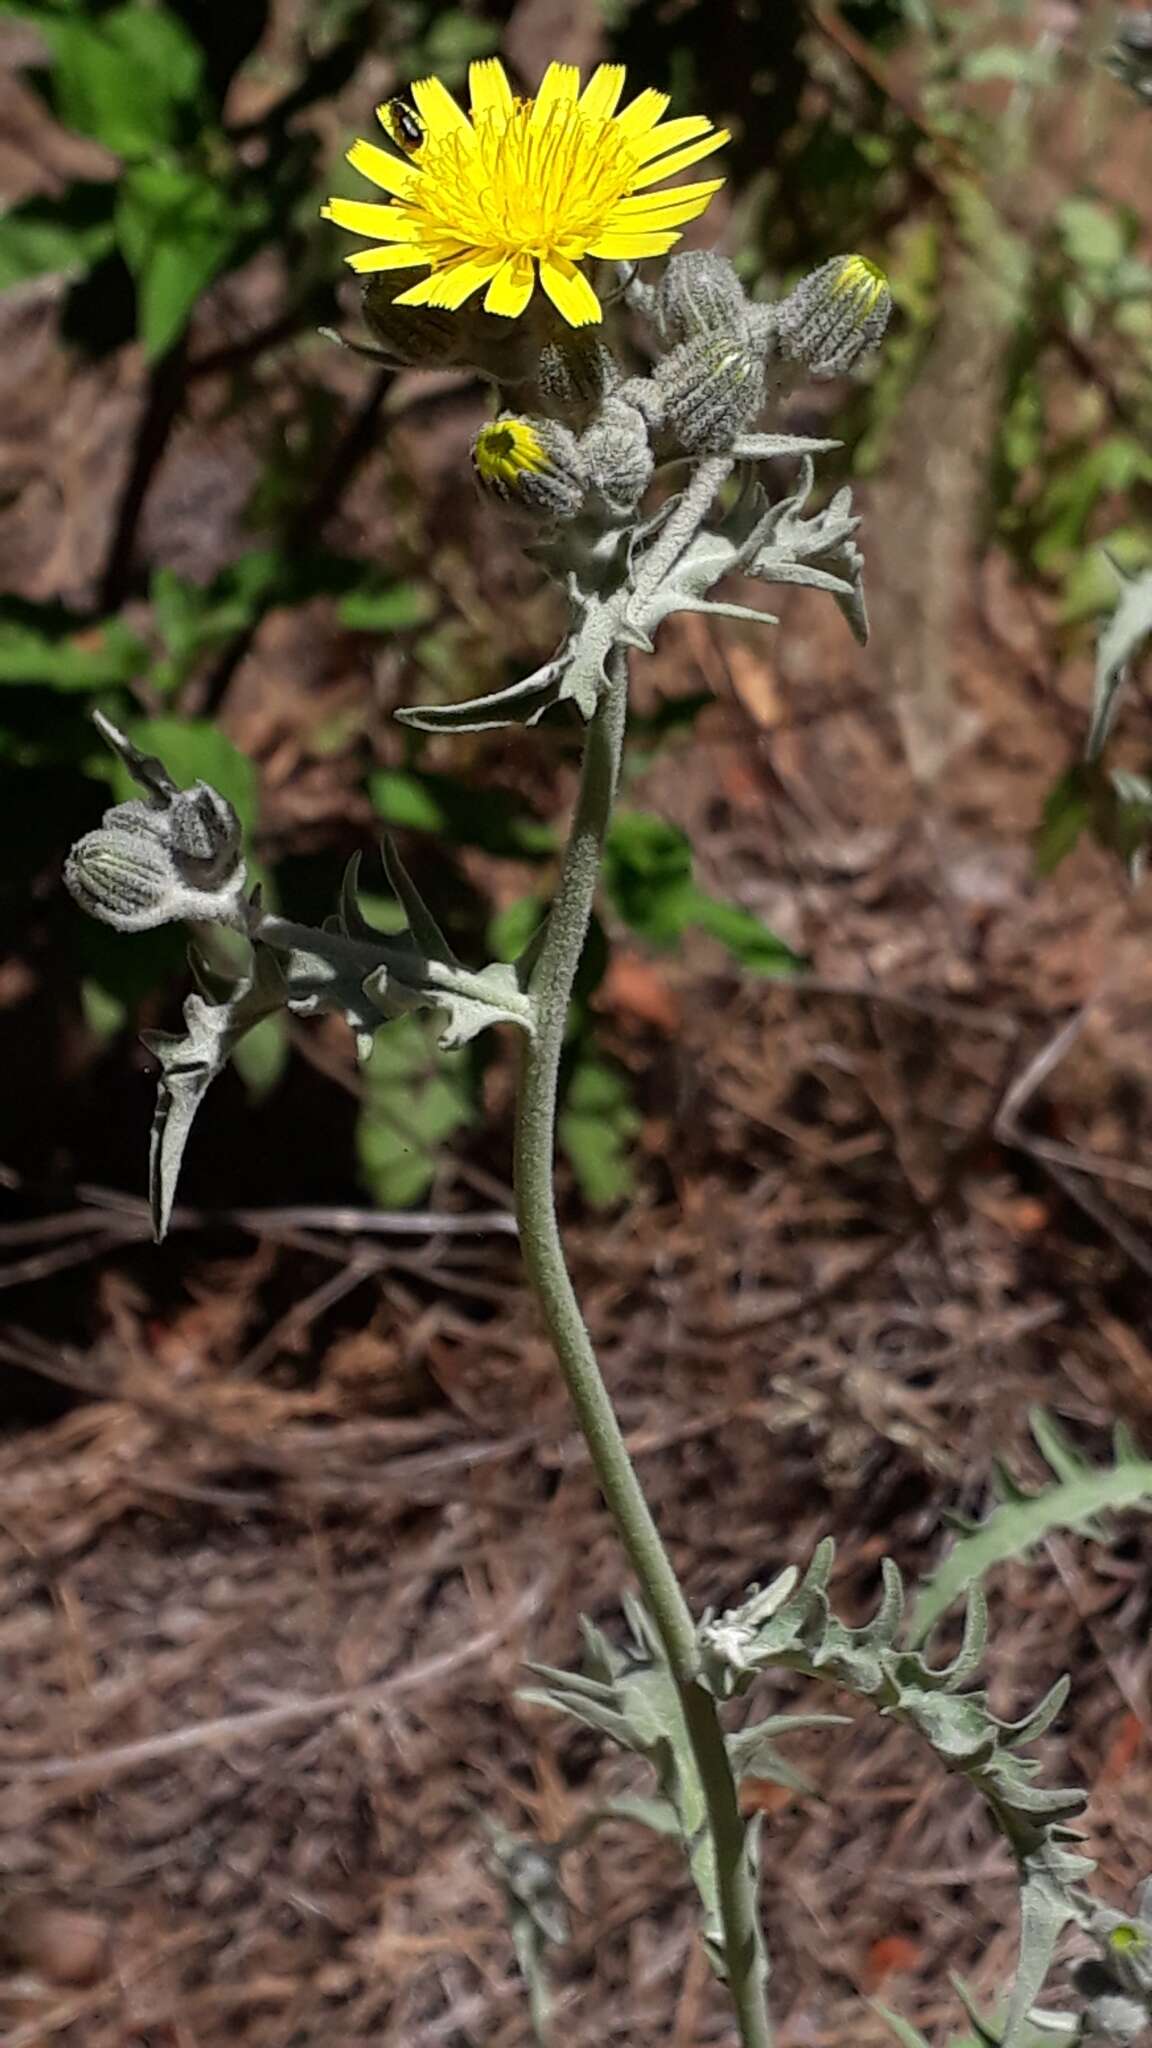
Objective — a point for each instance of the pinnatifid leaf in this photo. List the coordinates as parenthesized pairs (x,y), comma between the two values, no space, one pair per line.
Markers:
(1080,1492)
(1128,628)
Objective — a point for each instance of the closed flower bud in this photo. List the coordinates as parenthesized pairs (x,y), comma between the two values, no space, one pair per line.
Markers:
(428,338)
(124,878)
(575,373)
(618,457)
(203,833)
(835,317)
(533,463)
(156,863)
(1115,2013)
(712,387)
(418,337)
(698,293)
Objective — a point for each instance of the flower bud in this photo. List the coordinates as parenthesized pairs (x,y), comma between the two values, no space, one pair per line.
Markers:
(1130,58)
(835,317)
(203,833)
(155,863)
(419,337)
(698,292)
(428,338)
(1114,2012)
(712,387)
(533,463)
(575,374)
(618,457)
(124,878)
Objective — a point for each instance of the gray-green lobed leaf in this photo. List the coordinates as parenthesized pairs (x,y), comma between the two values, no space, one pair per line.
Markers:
(611,605)
(1020,1520)
(630,1694)
(1123,636)
(801,1633)
(190,1062)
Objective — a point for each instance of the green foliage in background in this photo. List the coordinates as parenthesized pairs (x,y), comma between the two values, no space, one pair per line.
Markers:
(416,1099)
(1113,804)
(182,207)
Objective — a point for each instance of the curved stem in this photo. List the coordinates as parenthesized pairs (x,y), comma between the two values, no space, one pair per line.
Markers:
(548,1275)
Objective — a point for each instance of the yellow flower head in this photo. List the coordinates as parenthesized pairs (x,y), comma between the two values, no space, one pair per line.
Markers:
(506,450)
(521,191)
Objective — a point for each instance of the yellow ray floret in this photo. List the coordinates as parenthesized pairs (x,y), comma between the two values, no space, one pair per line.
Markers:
(507,450)
(862,282)
(517,193)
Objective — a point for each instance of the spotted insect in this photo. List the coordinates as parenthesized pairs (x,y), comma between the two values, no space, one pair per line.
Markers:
(404,125)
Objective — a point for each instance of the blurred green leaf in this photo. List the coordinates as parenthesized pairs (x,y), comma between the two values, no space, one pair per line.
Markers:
(405,800)
(1090,585)
(511,929)
(455,39)
(1067,814)
(1115,805)
(261,1057)
(1072,497)
(648,876)
(122,969)
(671,715)
(56,237)
(196,619)
(1126,825)
(104,1013)
(746,938)
(597,1123)
(378,607)
(130,78)
(1005,61)
(491,818)
(913,266)
(46,644)
(1092,235)
(416,1098)
(178,230)
(1023,427)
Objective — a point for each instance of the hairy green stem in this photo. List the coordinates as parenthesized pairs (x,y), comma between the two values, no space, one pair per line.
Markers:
(685,521)
(547,1271)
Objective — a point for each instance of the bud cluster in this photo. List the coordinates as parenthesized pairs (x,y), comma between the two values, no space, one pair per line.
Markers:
(176,854)
(588,446)
(710,384)
(545,469)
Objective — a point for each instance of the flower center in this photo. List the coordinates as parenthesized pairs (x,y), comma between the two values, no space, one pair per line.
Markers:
(506,450)
(527,182)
